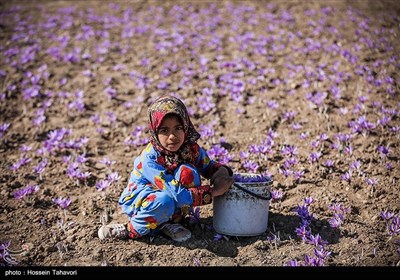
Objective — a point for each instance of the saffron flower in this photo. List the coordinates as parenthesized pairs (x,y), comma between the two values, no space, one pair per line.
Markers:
(384,151)
(23,161)
(316,240)
(3,128)
(276,195)
(106,161)
(293,263)
(5,258)
(347,176)
(40,168)
(194,215)
(26,193)
(63,203)
(387,215)
(102,185)
(218,237)
(113,177)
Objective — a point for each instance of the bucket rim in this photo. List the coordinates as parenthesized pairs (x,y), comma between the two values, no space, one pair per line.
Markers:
(267,179)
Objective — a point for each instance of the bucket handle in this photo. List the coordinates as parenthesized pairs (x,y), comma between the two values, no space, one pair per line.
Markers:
(268,197)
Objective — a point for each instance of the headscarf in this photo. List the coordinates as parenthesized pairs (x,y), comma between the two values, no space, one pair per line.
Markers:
(156,112)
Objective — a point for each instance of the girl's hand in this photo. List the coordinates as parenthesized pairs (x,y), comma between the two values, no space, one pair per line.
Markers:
(221,182)
(221,185)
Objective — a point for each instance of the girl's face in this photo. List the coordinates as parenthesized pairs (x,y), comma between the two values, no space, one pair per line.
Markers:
(171,133)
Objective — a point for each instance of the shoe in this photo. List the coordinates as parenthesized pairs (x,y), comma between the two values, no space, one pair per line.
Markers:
(176,231)
(113,231)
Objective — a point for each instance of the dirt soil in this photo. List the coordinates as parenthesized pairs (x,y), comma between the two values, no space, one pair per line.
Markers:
(308,89)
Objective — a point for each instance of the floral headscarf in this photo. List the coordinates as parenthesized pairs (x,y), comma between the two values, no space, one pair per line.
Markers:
(156,113)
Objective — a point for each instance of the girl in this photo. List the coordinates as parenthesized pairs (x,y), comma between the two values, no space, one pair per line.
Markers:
(165,180)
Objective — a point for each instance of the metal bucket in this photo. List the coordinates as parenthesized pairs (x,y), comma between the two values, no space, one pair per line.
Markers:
(243,210)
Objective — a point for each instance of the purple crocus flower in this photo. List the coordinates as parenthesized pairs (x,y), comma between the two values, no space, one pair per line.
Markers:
(347,176)
(96,119)
(316,240)
(286,172)
(314,156)
(303,135)
(40,168)
(218,237)
(320,253)
(5,254)
(102,185)
(302,232)
(106,161)
(25,192)
(372,181)
(394,226)
(63,203)
(335,221)
(163,85)
(194,215)
(298,174)
(289,150)
(272,104)
(308,200)
(384,151)
(289,116)
(356,165)
(294,263)
(276,195)
(112,118)
(244,154)
(81,158)
(24,148)
(113,177)
(83,175)
(3,129)
(387,215)
(23,161)
(250,165)
(111,92)
(329,163)
(311,261)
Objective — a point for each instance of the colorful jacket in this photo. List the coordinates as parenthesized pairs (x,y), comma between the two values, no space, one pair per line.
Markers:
(149,174)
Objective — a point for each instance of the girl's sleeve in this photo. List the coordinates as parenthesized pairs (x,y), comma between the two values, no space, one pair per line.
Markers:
(207,167)
(156,175)
(201,195)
